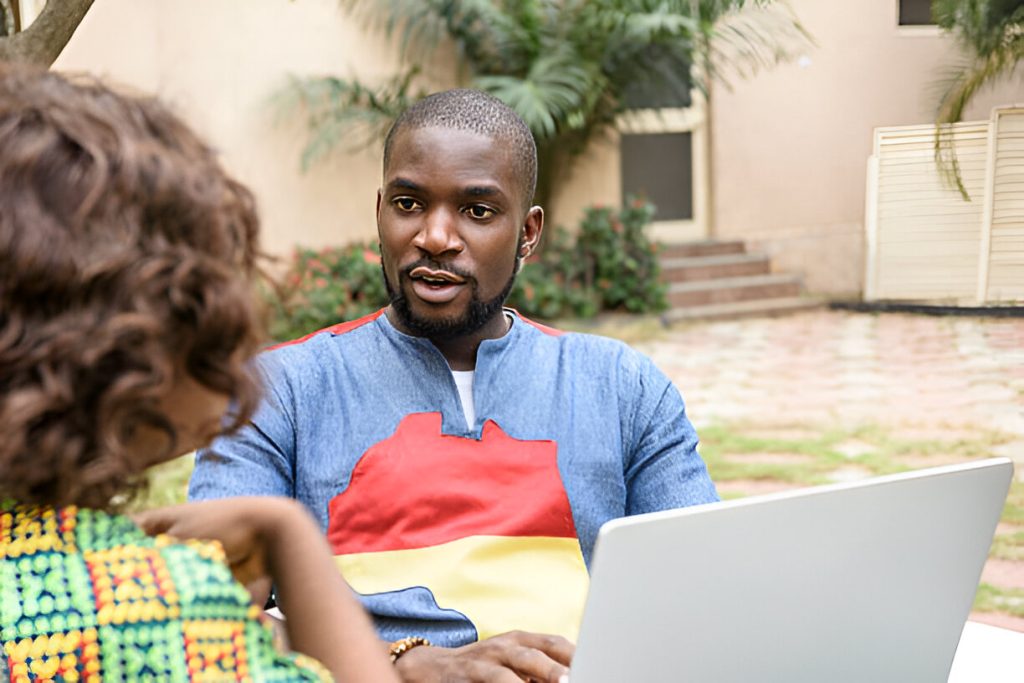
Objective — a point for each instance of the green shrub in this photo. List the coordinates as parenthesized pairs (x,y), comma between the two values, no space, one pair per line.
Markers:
(326,286)
(609,265)
(623,260)
(552,284)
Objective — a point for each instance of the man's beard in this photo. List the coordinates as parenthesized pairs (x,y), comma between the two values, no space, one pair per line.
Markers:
(478,314)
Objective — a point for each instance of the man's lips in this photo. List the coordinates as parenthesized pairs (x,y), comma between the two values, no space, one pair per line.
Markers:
(436,277)
(435,286)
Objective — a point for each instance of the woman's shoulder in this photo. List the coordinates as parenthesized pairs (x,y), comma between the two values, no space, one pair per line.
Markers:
(75,581)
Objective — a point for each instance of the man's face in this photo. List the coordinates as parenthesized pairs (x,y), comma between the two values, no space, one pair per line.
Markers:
(451,221)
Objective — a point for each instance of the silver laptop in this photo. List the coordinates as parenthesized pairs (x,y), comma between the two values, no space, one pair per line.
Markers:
(869,581)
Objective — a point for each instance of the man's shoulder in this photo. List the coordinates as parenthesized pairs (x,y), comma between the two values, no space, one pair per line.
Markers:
(324,335)
(583,344)
(585,354)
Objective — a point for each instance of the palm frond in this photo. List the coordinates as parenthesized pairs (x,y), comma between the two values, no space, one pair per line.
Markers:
(553,90)
(419,25)
(343,114)
(650,27)
(484,31)
(992,33)
(748,38)
(960,90)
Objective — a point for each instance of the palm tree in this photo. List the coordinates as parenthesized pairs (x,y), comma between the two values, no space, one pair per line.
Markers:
(566,66)
(991,33)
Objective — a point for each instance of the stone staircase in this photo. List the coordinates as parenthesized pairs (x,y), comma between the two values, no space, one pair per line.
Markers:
(718,280)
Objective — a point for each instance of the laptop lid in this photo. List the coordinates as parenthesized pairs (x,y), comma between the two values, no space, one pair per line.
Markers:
(864,581)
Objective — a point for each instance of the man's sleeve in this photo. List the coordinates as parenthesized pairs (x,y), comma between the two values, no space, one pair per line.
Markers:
(663,469)
(259,459)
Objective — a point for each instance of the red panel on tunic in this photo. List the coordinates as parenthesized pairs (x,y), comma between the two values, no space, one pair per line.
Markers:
(340,328)
(420,488)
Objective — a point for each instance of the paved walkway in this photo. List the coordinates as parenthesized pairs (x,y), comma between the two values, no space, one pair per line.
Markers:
(916,374)
(919,377)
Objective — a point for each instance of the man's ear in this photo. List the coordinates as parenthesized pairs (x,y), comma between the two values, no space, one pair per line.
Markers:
(533,226)
(376,211)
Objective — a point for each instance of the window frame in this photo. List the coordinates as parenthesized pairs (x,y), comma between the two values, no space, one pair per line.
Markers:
(676,120)
(912,30)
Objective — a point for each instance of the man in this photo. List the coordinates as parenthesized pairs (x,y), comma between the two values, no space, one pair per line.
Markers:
(461,458)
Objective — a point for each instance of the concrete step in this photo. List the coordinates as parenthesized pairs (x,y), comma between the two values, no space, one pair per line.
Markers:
(704,248)
(693,268)
(732,289)
(743,309)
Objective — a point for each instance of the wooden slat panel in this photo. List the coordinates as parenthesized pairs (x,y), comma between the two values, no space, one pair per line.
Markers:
(928,239)
(1006,254)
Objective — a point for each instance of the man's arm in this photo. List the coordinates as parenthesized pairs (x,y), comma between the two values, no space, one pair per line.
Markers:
(662,469)
(259,459)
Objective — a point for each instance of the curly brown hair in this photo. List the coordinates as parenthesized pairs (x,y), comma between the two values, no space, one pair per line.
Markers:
(126,256)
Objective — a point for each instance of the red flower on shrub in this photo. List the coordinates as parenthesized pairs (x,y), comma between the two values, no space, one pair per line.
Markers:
(371,257)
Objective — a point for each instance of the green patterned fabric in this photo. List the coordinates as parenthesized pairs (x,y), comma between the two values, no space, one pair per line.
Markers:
(87,596)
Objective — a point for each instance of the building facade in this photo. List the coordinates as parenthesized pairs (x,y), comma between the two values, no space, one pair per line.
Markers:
(784,167)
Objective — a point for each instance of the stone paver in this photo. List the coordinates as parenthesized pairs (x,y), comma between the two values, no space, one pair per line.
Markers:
(928,376)
(919,377)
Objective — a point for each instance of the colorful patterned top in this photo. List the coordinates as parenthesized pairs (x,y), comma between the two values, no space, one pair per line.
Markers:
(87,596)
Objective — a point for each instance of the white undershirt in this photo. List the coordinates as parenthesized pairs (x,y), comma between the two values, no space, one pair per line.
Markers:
(464,383)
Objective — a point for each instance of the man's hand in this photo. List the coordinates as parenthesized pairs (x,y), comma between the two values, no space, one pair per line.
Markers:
(512,657)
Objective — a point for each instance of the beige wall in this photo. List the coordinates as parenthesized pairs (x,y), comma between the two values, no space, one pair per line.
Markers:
(791,146)
(217,61)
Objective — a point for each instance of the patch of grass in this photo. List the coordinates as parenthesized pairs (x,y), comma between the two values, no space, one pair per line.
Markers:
(989,598)
(1008,546)
(824,449)
(1013,512)
(889,453)
(168,484)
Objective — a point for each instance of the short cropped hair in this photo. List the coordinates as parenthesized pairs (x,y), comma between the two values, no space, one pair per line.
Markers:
(125,257)
(478,112)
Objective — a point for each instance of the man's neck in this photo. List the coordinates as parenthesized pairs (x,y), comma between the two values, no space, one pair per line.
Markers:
(460,351)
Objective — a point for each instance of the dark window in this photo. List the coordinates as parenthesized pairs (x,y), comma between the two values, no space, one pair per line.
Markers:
(659,167)
(916,13)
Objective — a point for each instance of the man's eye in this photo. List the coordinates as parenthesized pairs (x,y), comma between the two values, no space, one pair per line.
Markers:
(480,212)
(406,204)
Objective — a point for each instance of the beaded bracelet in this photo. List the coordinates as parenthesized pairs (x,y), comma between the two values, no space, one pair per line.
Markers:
(400,647)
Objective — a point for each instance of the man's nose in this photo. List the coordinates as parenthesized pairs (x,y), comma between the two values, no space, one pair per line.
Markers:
(439,233)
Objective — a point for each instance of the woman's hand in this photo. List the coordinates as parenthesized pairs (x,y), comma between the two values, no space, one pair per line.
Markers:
(276,538)
(241,525)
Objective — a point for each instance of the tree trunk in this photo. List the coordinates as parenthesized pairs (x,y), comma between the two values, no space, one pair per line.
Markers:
(42,42)
(6,15)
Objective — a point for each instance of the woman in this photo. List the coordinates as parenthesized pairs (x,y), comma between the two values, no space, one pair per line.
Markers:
(126,322)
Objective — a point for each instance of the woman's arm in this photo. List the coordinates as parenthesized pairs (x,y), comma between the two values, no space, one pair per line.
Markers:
(276,537)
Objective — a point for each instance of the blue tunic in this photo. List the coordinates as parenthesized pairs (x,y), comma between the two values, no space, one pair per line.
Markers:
(451,530)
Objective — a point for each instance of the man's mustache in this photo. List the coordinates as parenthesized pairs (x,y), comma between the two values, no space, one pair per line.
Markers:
(439,267)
